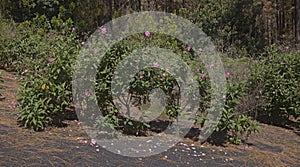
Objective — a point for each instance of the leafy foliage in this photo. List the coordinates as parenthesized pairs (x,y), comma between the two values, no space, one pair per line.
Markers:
(229,24)
(42,53)
(140,85)
(232,120)
(278,73)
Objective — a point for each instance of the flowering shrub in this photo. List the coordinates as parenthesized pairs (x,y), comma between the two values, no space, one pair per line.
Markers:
(43,57)
(23,40)
(279,75)
(6,39)
(232,120)
(140,85)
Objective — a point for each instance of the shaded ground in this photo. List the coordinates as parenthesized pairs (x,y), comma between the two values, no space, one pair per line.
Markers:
(70,146)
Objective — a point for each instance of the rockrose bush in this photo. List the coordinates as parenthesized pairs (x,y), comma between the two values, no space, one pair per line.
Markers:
(234,123)
(278,73)
(141,84)
(44,53)
(7,40)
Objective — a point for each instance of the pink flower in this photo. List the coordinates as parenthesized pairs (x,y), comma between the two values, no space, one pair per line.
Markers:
(95,50)
(188,48)
(14,105)
(12,34)
(97,150)
(147,34)
(155,65)
(140,75)
(50,60)
(38,30)
(246,147)
(103,30)
(48,33)
(200,50)
(203,76)
(87,94)
(25,71)
(227,74)
(287,47)
(73,29)
(211,65)
(82,43)
(280,48)
(224,96)
(93,142)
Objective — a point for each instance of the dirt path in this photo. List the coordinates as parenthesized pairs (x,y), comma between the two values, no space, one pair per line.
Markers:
(70,146)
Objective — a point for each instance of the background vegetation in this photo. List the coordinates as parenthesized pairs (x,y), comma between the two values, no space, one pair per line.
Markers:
(258,41)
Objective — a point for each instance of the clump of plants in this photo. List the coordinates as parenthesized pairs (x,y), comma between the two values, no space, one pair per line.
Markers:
(43,51)
(238,124)
(278,73)
(233,122)
(141,85)
(7,28)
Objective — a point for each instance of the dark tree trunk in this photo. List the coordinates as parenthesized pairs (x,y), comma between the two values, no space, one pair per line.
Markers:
(108,13)
(135,5)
